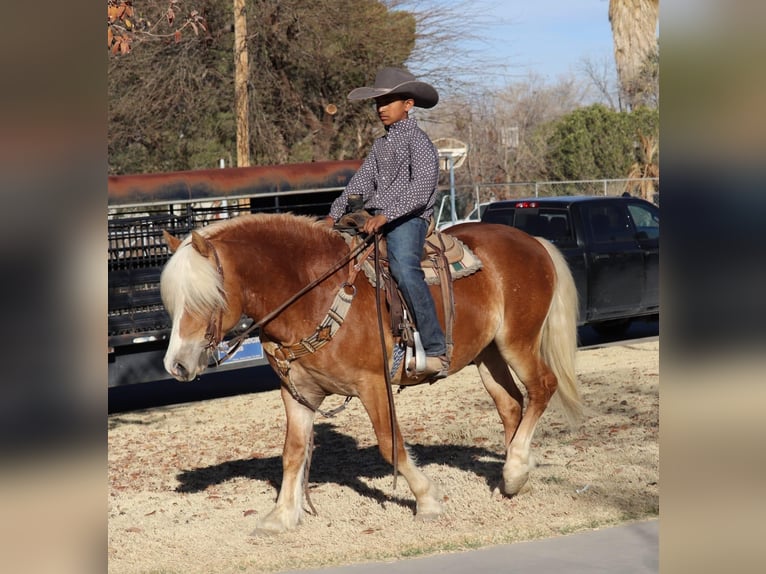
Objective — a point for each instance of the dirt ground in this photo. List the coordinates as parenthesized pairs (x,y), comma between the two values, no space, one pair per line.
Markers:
(188,482)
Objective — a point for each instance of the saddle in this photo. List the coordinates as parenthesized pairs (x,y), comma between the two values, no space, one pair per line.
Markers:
(439,249)
(445,259)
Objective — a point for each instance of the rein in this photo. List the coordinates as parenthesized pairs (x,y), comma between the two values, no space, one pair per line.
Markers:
(389,389)
(321,336)
(215,338)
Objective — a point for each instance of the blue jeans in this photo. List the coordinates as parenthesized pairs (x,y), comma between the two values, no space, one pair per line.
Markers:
(404,242)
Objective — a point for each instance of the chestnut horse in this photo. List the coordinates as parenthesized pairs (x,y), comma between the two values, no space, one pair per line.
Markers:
(518,310)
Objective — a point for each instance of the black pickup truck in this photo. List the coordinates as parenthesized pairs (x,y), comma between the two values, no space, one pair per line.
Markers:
(610,243)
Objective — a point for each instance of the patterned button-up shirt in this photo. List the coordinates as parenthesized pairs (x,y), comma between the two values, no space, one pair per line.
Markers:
(398,177)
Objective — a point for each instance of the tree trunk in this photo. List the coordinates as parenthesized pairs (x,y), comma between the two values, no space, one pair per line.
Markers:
(241,72)
(634,31)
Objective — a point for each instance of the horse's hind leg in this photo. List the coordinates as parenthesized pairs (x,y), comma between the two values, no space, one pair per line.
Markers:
(287,513)
(427,497)
(540,383)
(498,380)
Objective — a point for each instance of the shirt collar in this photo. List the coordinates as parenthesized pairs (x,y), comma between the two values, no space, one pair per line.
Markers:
(402,125)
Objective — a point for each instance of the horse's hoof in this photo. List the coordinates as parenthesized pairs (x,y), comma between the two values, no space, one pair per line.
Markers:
(429,510)
(269,527)
(275,522)
(515,476)
(514,487)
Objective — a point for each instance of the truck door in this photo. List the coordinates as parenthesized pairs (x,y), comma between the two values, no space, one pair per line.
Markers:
(646,219)
(616,261)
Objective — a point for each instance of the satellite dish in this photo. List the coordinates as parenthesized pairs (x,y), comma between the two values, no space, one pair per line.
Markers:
(451,148)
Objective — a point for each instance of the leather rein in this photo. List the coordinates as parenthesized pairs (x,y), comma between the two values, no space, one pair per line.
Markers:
(322,335)
(214,335)
(283,355)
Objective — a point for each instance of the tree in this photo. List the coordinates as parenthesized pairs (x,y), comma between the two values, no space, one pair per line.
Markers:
(647,83)
(241,73)
(601,76)
(124,26)
(634,32)
(306,57)
(505,129)
(171,105)
(598,143)
(440,27)
(646,167)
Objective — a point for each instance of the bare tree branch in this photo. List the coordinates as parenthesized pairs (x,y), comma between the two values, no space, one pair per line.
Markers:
(602,77)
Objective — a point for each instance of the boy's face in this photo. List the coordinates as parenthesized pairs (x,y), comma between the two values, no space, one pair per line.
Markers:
(391,109)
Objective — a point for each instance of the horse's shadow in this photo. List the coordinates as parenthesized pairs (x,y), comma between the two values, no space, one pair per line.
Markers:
(338,460)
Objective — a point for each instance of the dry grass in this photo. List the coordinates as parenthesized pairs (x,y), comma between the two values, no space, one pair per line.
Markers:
(188,482)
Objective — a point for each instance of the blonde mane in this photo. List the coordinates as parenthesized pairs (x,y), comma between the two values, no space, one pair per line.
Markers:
(191,281)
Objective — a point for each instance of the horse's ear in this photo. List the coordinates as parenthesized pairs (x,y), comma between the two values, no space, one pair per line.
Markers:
(172,241)
(199,243)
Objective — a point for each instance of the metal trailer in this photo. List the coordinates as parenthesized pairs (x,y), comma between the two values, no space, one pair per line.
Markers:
(140,207)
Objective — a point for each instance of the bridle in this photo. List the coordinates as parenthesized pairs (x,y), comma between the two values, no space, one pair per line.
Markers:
(213,333)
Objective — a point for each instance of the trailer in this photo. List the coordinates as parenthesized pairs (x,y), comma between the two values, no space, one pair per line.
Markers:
(140,207)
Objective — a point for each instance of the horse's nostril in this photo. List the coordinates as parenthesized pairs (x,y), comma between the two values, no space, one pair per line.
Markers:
(181,371)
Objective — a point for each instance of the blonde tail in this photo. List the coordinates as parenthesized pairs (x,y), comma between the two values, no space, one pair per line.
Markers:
(559,340)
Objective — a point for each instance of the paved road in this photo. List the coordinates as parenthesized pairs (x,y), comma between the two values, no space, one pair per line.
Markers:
(628,549)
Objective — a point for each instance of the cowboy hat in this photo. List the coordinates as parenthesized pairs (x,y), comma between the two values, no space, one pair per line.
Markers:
(398,81)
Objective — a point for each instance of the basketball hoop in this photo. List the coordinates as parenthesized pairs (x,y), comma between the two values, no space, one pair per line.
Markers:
(450,149)
(452,154)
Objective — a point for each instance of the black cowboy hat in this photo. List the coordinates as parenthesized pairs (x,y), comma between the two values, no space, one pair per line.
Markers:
(398,81)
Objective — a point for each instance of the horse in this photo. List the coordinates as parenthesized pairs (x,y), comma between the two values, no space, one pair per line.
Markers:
(519,311)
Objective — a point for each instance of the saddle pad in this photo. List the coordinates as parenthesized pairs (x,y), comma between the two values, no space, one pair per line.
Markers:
(468,264)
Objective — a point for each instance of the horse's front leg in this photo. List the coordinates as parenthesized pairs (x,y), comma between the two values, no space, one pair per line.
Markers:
(427,496)
(289,508)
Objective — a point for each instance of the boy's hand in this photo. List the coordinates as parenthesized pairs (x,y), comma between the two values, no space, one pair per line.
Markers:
(373,224)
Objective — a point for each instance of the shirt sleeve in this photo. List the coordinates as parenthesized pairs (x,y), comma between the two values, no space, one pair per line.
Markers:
(362,182)
(418,193)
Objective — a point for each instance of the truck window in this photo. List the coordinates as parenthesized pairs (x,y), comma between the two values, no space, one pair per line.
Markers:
(555,225)
(551,223)
(503,215)
(528,220)
(646,221)
(609,224)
